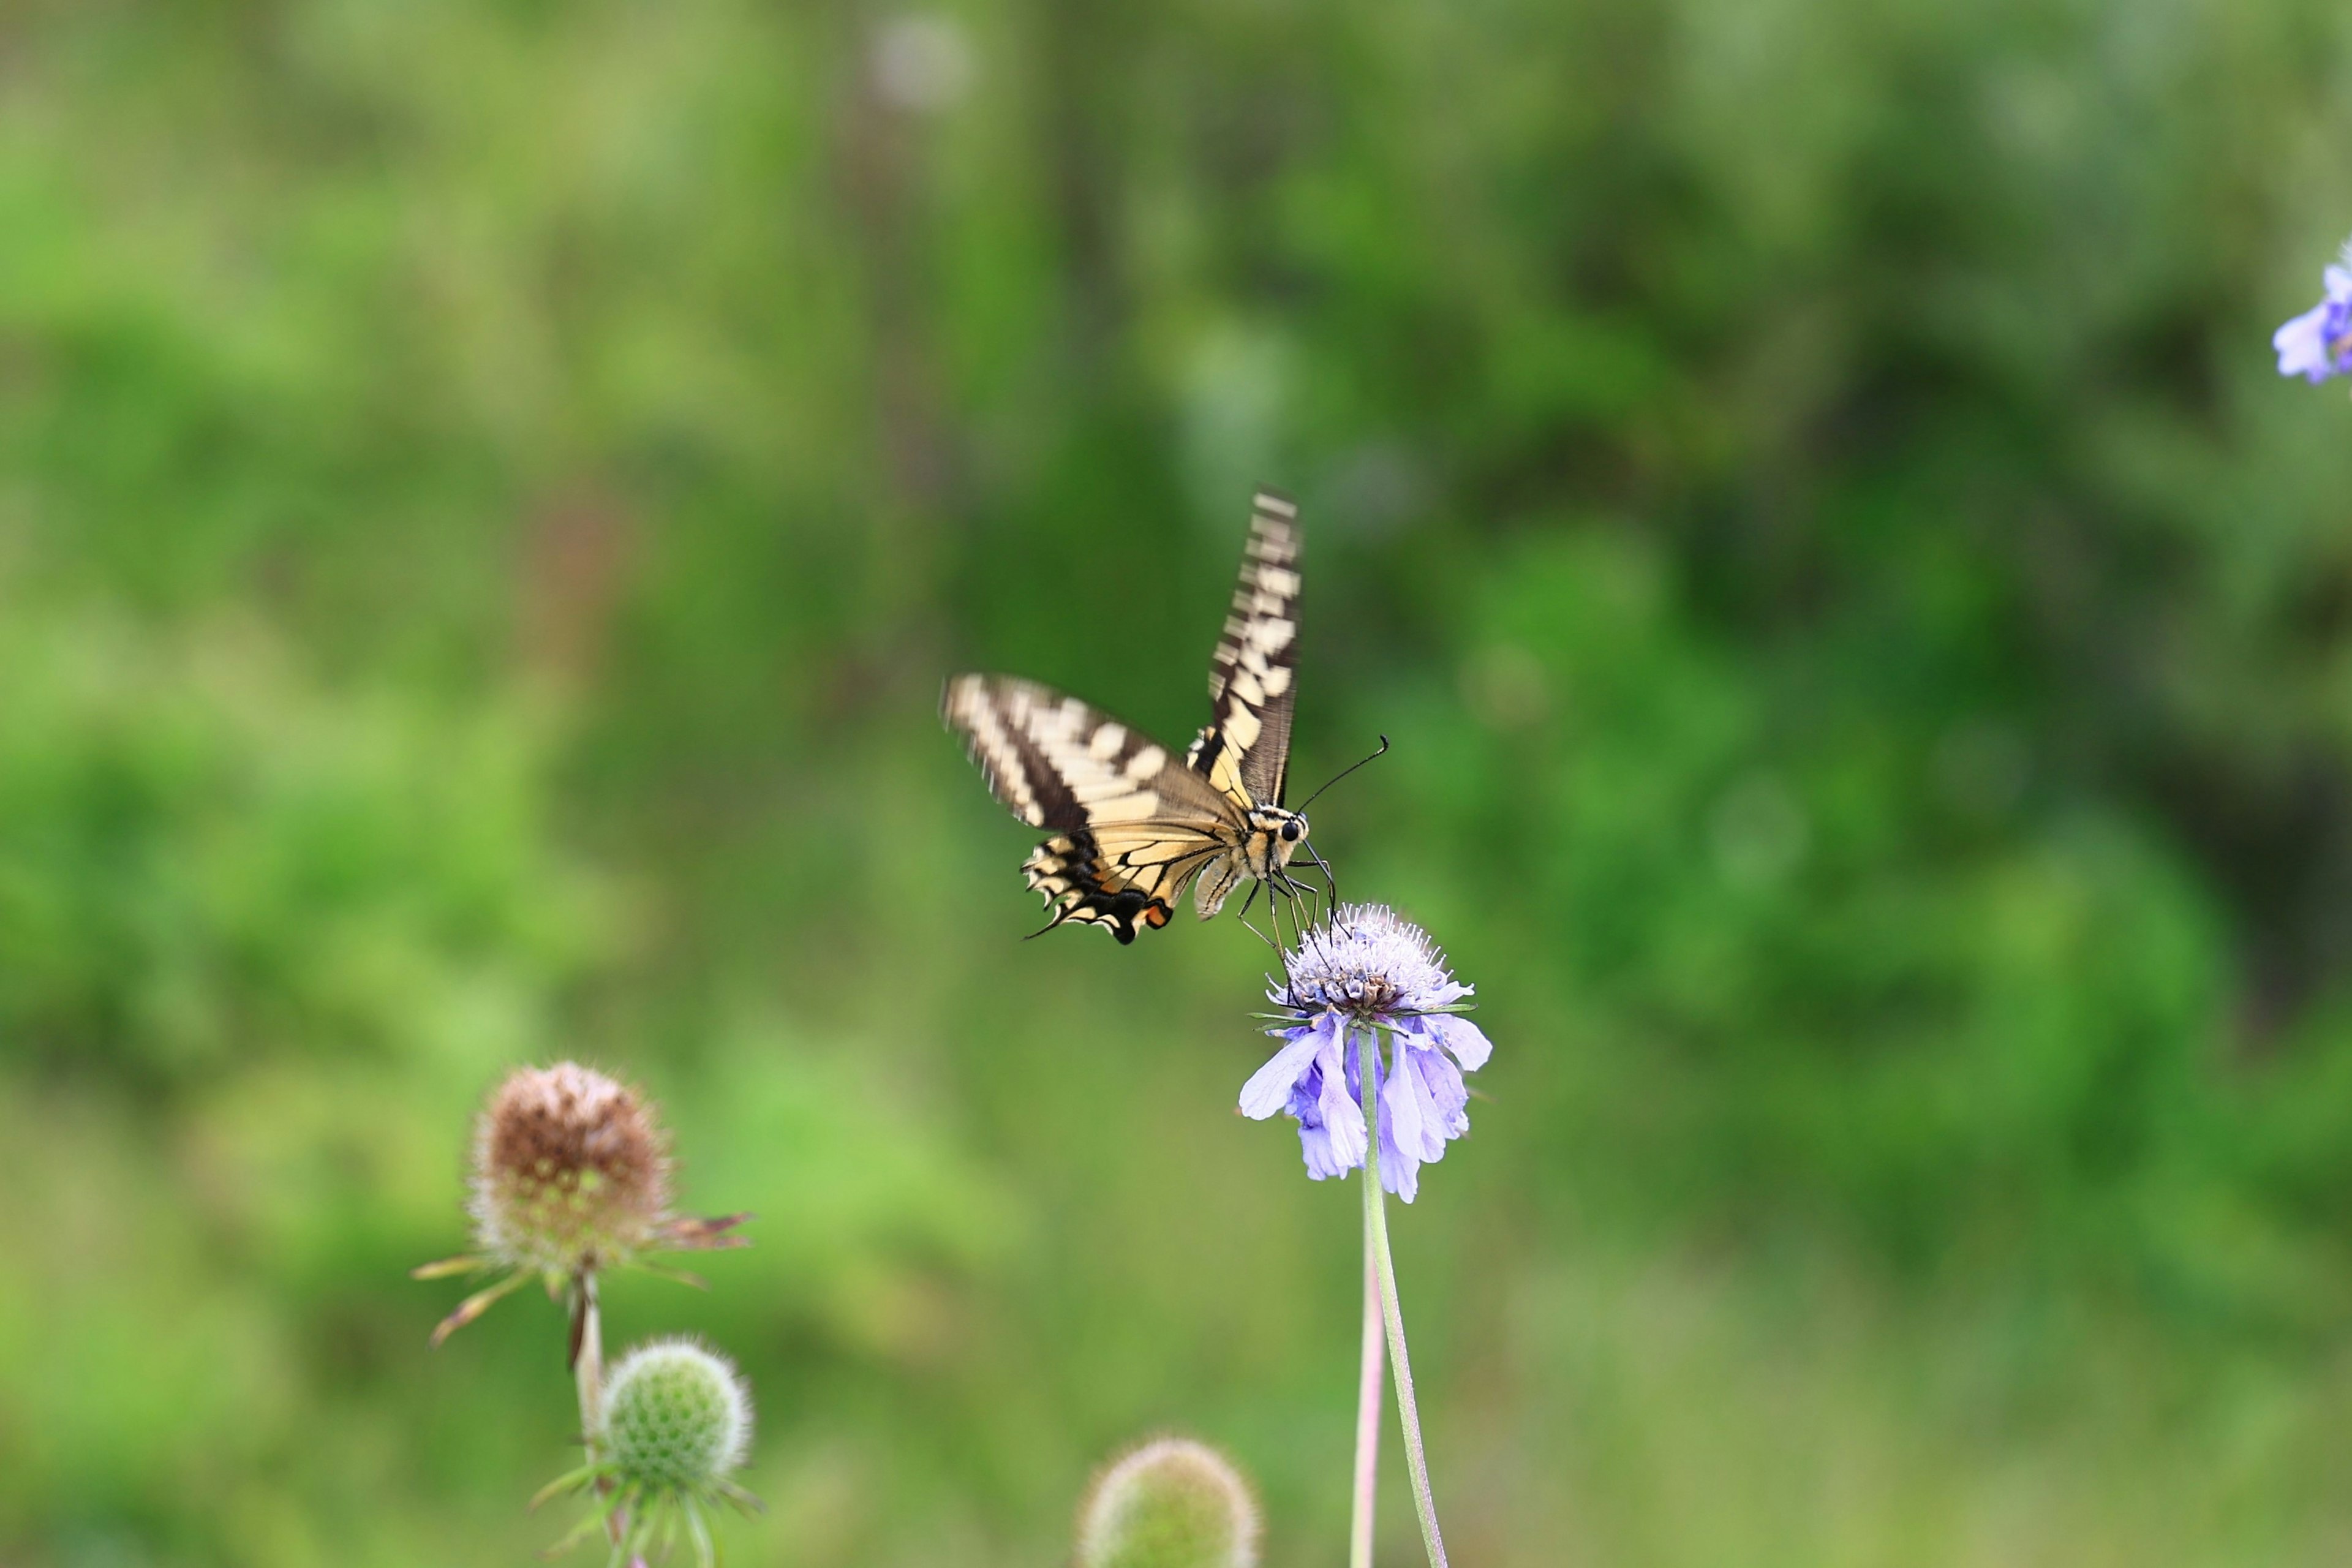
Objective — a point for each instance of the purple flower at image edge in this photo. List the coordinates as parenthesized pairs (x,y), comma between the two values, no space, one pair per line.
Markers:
(1366,971)
(2318,343)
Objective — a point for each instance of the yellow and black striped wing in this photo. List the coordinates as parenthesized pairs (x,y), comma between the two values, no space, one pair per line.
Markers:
(1245,749)
(1133,824)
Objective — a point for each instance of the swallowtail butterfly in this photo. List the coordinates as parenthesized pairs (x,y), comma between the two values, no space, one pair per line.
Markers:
(1132,823)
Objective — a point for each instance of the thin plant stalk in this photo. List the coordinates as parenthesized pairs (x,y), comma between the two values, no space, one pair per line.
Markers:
(1368,1415)
(588,1376)
(588,1356)
(1376,1236)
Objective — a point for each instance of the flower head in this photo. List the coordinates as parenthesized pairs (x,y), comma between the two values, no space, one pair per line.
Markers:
(1168,1503)
(1364,972)
(2318,343)
(571,1172)
(674,1426)
(676,1415)
(571,1176)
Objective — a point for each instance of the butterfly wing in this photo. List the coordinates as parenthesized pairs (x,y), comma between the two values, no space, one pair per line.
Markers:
(1244,750)
(1133,824)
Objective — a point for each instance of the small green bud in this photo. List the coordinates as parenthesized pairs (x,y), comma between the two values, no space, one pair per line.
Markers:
(674,1427)
(677,1418)
(1169,1503)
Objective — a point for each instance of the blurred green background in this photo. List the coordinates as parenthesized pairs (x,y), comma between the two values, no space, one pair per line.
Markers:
(488,493)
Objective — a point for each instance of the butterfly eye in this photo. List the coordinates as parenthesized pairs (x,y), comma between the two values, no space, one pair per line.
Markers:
(1290,831)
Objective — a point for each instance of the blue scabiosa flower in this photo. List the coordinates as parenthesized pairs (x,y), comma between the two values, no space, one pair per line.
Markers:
(2318,343)
(1365,971)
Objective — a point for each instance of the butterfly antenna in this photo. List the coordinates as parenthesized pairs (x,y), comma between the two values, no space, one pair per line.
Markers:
(1380,751)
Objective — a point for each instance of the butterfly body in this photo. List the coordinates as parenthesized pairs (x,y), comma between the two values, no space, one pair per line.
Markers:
(1133,824)
(1272,836)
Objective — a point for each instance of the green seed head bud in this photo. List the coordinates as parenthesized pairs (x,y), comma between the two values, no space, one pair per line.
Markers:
(673,1428)
(1171,1503)
(571,1172)
(677,1418)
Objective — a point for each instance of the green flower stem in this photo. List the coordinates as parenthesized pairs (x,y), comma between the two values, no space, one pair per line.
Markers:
(1368,1414)
(588,1376)
(588,1360)
(1376,1241)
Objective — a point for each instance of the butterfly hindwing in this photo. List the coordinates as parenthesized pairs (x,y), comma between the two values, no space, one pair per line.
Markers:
(1245,749)
(1133,824)
(1117,876)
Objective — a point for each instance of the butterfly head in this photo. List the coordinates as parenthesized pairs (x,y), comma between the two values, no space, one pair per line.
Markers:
(1278,833)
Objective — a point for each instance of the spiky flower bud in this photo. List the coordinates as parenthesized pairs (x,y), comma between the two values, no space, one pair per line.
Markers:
(571,1173)
(1169,1503)
(673,1429)
(676,1417)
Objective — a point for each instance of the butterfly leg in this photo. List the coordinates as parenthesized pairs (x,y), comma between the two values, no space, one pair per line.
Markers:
(1331,891)
(1272,946)
(1293,894)
(1305,891)
(1243,915)
(1250,898)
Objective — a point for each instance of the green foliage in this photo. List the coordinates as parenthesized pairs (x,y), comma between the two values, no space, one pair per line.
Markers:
(487,494)
(209,860)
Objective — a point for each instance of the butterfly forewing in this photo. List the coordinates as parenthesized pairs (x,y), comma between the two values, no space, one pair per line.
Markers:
(1245,749)
(1132,823)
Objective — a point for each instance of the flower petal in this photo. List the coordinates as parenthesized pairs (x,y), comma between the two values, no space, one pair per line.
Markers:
(1403,1140)
(1343,1117)
(1307,1098)
(1402,1104)
(1448,1101)
(2302,345)
(1315,1147)
(1438,1082)
(1400,1176)
(1269,1086)
(1465,1039)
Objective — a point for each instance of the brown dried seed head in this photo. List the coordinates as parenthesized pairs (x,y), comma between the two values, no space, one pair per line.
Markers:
(571,1171)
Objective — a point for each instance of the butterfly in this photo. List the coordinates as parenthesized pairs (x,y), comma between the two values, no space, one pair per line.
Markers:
(1133,824)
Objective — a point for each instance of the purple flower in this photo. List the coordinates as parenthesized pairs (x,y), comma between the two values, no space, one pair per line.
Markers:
(2318,343)
(1366,971)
